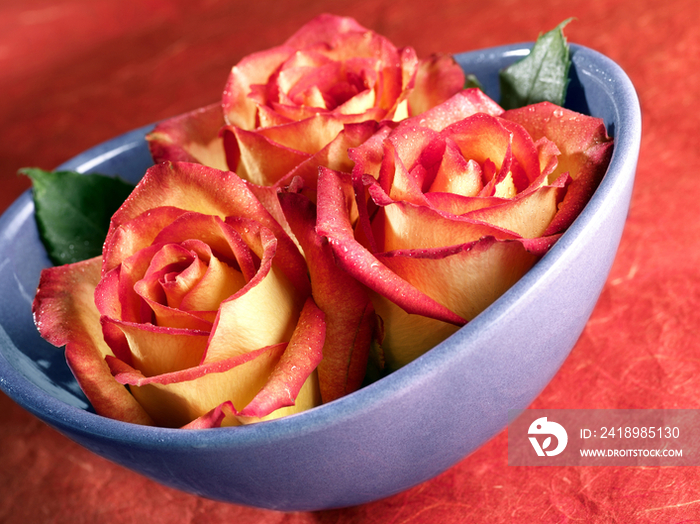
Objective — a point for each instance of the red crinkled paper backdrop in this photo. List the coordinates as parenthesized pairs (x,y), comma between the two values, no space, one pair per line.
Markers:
(74,73)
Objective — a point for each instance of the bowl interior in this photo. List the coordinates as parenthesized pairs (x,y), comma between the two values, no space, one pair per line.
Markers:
(384,421)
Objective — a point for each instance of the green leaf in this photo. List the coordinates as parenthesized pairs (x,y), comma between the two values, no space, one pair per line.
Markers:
(541,76)
(73,211)
(472,81)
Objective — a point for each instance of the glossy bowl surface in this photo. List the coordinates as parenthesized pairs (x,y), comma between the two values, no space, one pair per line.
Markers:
(386,437)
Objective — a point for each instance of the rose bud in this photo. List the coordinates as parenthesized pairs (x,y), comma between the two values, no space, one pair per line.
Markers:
(444,213)
(200,304)
(298,103)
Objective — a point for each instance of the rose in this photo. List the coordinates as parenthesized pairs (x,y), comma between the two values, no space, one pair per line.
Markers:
(200,303)
(453,206)
(305,102)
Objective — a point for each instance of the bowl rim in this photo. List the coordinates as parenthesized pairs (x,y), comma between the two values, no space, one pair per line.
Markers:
(67,417)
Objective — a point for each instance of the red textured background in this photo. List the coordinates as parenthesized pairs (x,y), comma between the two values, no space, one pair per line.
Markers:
(74,73)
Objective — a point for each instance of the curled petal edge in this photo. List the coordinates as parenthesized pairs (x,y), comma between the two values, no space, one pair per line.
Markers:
(350,317)
(65,314)
(333,223)
(191,137)
(298,361)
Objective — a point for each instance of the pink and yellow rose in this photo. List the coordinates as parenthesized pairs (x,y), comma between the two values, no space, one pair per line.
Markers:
(200,304)
(306,102)
(446,211)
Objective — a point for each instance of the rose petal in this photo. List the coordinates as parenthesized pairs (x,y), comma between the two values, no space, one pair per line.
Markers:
(323,28)
(407,226)
(307,398)
(301,73)
(307,136)
(221,240)
(407,336)
(482,137)
(164,296)
(126,239)
(334,155)
(175,399)
(359,104)
(334,223)
(401,81)
(298,362)
(368,155)
(192,137)
(268,117)
(400,183)
(294,113)
(582,188)
(156,284)
(350,318)
(345,87)
(484,269)
(585,150)
(211,419)
(218,283)
(462,105)
(258,159)
(525,152)
(438,78)
(548,154)
(238,327)
(226,414)
(211,192)
(270,296)
(116,296)
(156,349)
(529,215)
(175,318)
(572,132)
(65,314)
(409,141)
(455,204)
(240,110)
(395,71)
(455,174)
(212,230)
(402,152)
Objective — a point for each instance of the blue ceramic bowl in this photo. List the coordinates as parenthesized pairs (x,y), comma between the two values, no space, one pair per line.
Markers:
(389,436)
